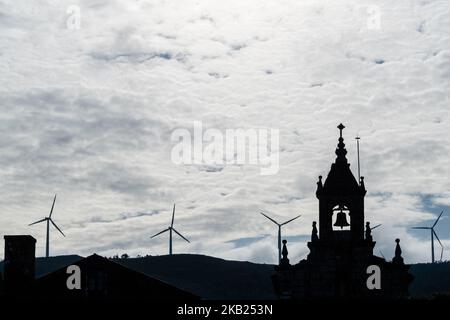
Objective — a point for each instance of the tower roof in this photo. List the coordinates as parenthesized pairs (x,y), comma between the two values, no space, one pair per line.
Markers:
(340,179)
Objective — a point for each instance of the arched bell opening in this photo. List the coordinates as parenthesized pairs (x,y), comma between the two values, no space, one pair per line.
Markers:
(341,218)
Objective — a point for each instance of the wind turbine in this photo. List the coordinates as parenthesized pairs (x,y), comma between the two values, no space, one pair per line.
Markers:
(279,231)
(48,220)
(170,229)
(433,234)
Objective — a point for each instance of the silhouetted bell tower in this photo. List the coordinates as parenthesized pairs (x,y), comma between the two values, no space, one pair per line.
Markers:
(342,249)
(341,200)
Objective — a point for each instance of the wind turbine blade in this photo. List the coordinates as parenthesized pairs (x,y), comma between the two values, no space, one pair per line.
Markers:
(180,235)
(442,246)
(423,228)
(375,227)
(435,234)
(42,220)
(53,205)
(270,218)
(435,223)
(54,224)
(173,215)
(291,220)
(160,233)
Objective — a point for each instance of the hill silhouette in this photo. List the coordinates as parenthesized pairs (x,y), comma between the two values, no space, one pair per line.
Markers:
(46,265)
(209,277)
(430,278)
(215,278)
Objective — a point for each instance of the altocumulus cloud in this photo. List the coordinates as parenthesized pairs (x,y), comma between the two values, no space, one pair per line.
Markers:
(88,113)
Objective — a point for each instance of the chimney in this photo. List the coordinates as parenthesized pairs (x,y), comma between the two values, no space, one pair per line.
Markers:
(18,272)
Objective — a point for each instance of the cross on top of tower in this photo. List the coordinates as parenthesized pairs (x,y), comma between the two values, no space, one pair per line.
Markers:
(340,151)
(341,127)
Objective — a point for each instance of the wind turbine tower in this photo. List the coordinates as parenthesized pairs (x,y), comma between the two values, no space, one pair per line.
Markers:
(170,229)
(49,220)
(279,231)
(433,234)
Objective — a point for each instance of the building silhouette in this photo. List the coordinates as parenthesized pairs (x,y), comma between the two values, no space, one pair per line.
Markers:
(100,279)
(19,265)
(341,250)
(103,279)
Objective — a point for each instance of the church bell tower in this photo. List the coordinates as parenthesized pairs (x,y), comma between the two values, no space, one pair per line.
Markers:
(341,200)
(341,246)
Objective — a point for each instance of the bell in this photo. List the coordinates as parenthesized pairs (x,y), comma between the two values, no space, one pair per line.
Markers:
(341,220)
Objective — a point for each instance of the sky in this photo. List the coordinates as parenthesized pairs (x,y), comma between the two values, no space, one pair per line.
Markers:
(92,91)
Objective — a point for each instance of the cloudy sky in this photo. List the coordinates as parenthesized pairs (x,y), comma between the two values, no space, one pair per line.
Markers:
(91,91)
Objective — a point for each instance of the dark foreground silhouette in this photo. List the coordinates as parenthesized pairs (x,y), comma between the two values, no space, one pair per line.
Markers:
(214,278)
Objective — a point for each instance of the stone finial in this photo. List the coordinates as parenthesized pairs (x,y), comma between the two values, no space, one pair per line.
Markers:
(314,233)
(284,254)
(319,185)
(398,253)
(368,232)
